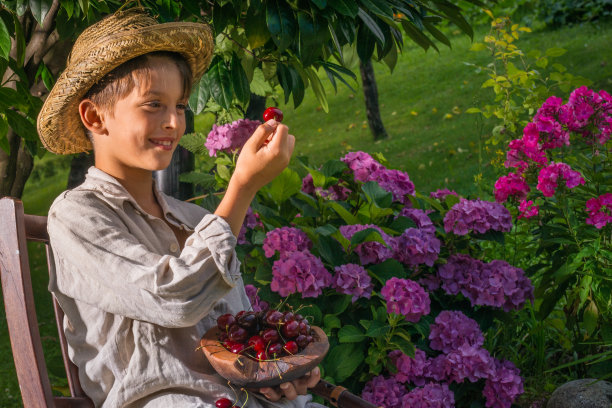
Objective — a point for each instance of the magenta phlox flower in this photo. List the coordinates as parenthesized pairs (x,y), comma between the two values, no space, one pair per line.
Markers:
(384,392)
(369,252)
(415,247)
(547,121)
(589,113)
(477,215)
(352,279)
(504,386)
(396,182)
(442,193)
(549,176)
(407,298)
(471,363)
(230,137)
(256,303)
(512,185)
(526,151)
(362,165)
(600,210)
(453,329)
(431,395)
(409,369)
(527,209)
(420,218)
(300,272)
(285,239)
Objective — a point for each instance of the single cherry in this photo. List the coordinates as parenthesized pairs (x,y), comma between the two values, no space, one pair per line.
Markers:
(291,347)
(302,341)
(291,329)
(304,327)
(248,320)
(257,342)
(273,113)
(273,318)
(270,335)
(261,355)
(238,334)
(225,321)
(275,349)
(237,348)
(223,403)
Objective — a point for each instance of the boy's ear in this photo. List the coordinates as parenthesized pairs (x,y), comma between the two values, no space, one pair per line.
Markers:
(92,116)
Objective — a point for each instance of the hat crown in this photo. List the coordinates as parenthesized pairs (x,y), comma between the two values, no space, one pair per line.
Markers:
(117,23)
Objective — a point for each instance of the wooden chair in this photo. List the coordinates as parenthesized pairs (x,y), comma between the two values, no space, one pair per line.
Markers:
(15,229)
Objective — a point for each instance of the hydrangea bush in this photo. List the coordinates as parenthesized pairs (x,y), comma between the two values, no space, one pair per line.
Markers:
(559,184)
(398,280)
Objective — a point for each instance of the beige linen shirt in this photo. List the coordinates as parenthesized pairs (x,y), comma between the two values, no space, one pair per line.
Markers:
(135,304)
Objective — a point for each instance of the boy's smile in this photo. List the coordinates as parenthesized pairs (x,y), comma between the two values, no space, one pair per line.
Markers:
(144,127)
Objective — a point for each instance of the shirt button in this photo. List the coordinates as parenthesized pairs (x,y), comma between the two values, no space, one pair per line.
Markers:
(174,247)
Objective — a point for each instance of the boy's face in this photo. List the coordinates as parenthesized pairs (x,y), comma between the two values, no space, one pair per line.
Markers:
(146,125)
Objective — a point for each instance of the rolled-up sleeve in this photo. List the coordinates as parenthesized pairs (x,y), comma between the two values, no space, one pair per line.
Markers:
(99,261)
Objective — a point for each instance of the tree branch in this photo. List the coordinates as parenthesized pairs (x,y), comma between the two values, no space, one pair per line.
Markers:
(36,47)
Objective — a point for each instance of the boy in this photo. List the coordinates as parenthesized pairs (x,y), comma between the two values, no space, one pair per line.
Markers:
(141,276)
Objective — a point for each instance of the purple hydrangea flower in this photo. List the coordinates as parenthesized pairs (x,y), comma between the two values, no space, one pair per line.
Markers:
(299,272)
(257,304)
(415,247)
(503,386)
(369,252)
(352,279)
(410,369)
(384,392)
(285,239)
(337,192)
(439,368)
(251,220)
(441,194)
(471,363)
(230,137)
(420,218)
(431,395)
(453,329)
(362,165)
(407,298)
(477,215)
(394,181)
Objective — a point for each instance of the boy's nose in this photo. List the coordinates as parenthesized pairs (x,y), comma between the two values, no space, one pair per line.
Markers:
(171,120)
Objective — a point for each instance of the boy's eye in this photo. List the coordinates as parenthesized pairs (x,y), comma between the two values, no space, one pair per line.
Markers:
(153,104)
(182,106)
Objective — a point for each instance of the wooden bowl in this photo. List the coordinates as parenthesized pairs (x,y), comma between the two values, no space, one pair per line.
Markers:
(247,372)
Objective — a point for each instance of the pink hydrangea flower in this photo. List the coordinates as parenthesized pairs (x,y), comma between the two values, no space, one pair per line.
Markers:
(528,209)
(362,165)
(477,215)
(442,193)
(548,178)
(352,279)
(369,252)
(394,181)
(299,272)
(431,395)
(407,298)
(409,369)
(384,392)
(230,137)
(285,239)
(453,329)
(503,386)
(415,247)
(512,185)
(471,363)
(420,218)
(256,303)
(600,210)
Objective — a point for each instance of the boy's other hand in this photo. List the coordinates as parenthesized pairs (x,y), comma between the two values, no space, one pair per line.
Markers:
(292,389)
(260,162)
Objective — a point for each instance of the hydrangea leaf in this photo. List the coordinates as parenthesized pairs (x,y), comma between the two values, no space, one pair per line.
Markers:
(350,334)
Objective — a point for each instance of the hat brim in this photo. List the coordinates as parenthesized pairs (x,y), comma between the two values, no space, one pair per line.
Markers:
(59,123)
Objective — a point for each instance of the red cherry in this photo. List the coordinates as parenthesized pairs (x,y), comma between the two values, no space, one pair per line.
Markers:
(298,317)
(270,335)
(288,316)
(257,342)
(275,349)
(291,329)
(223,403)
(302,341)
(238,334)
(261,356)
(273,318)
(304,328)
(225,321)
(237,348)
(240,313)
(273,113)
(228,344)
(291,347)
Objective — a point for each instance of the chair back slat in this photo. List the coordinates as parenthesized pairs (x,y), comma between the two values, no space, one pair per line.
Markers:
(19,306)
(15,229)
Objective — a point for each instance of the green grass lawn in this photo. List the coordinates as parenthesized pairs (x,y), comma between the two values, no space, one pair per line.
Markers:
(435,151)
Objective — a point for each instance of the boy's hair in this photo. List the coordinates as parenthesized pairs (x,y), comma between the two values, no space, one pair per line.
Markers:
(119,82)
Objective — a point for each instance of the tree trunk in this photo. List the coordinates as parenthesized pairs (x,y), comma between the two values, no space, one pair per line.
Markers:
(370,93)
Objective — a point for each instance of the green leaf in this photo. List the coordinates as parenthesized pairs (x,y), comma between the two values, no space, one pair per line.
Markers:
(281,23)
(372,26)
(387,270)
(345,7)
(5,41)
(333,168)
(4,143)
(321,4)
(200,95)
(590,318)
(438,35)
(206,180)
(404,345)
(401,224)
(350,334)
(331,250)
(344,213)
(259,85)
(555,52)
(39,9)
(390,59)
(313,313)
(417,35)
(377,329)
(256,29)
(377,194)
(317,87)
(343,360)
(263,275)
(220,83)
(285,185)
(378,7)
(367,235)
(240,81)
(332,322)
(326,230)
(194,142)
(21,125)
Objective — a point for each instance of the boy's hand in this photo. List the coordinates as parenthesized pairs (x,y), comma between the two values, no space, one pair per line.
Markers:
(292,389)
(260,162)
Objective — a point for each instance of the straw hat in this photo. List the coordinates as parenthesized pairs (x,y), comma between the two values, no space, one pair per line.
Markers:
(101,48)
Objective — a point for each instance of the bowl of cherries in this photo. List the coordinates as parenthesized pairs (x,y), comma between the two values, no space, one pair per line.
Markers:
(264,349)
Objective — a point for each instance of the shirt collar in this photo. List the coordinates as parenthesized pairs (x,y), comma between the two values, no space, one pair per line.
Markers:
(110,187)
